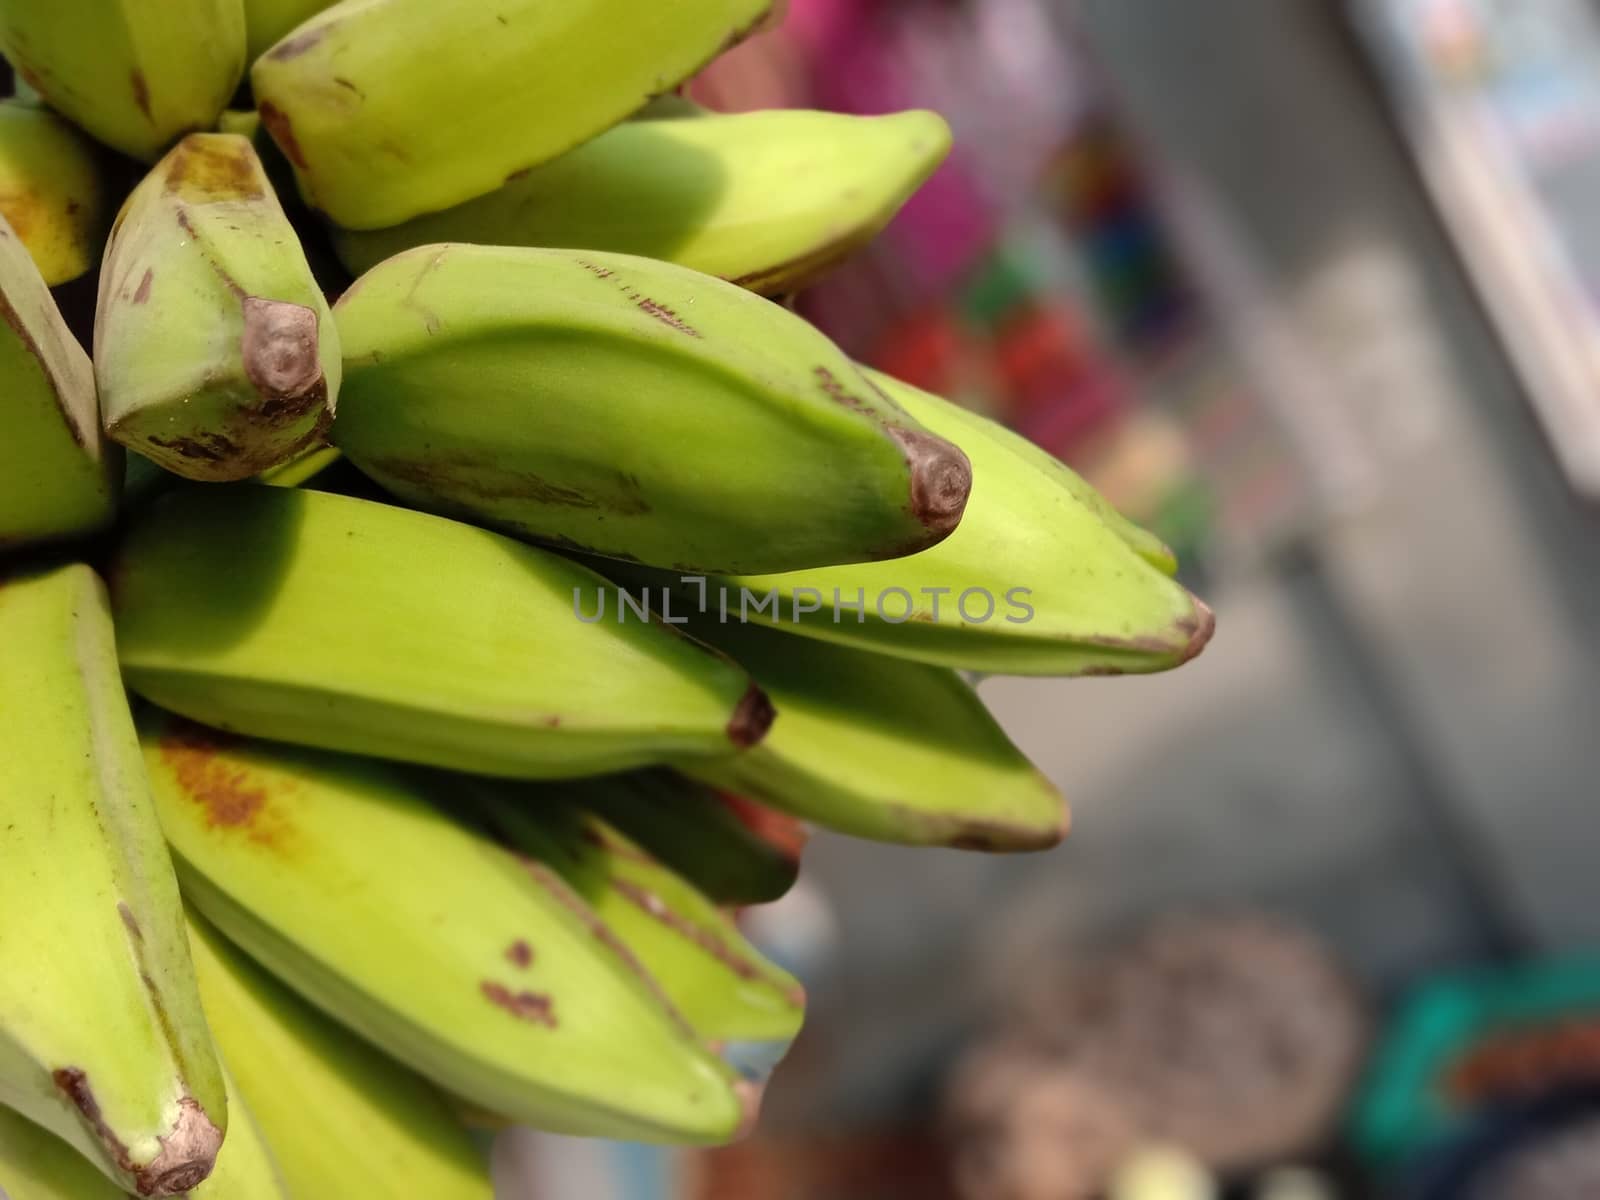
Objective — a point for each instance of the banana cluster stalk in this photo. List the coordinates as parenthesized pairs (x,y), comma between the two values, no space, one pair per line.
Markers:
(217,357)
(428,817)
(613,404)
(766,200)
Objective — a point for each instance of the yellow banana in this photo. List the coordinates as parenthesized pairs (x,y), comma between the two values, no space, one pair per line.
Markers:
(881,748)
(1042,577)
(102,1040)
(692,830)
(53,190)
(341,1118)
(633,409)
(721,984)
(59,478)
(486,974)
(767,200)
(269,21)
(393,108)
(215,351)
(135,74)
(355,626)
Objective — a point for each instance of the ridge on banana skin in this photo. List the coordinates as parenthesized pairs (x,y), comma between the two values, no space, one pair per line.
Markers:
(1098,596)
(53,190)
(102,1040)
(691,830)
(484,973)
(59,477)
(365,628)
(880,748)
(766,200)
(632,409)
(133,73)
(393,108)
(721,984)
(341,1118)
(215,352)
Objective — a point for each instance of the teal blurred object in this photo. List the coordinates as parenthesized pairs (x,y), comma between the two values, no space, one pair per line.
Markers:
(1466,1043)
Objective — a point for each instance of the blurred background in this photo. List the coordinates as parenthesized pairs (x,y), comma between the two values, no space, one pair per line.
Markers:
(1311,287)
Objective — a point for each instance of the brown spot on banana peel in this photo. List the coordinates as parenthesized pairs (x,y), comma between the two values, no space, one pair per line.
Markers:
(282,131)
(210,169)
(188,1152)
(141,94)
(536,1008)
(229,800)
(129,921)
(752,718)
(142,294)
(293,47)
(520,955)
(941,480)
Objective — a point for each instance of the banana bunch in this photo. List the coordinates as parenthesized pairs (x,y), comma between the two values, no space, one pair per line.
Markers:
(404,677)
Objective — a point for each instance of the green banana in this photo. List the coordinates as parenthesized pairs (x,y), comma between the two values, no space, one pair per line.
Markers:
(767,200)
(215,351)
(623,406)
(691,830)
(356,626)
(268,21)
(102,1039)
(53,190)
(486,974)
(134,74)
(59,478)
(341,1118)
(37,1165)
(1041,578)
(720,983)
(393,108)
(881,748)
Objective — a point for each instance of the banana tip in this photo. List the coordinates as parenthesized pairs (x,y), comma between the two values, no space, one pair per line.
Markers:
(752,717)
(941,480)
(187,1155)
(1205,625)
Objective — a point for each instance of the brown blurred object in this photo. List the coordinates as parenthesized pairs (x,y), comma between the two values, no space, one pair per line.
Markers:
(891,1165)
(785,834)
(1234,1037)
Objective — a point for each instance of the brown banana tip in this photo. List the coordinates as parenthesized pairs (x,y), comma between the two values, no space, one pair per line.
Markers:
(941,480)
(1205,625)
(187,1155)
(749,1095)
(752,717)
(280,348)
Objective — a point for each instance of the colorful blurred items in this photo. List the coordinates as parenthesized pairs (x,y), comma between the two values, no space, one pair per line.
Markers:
(1233,1037)
(1464,1045)
(938,351)
(1547,1148)
(869,1165)
(1162,1173)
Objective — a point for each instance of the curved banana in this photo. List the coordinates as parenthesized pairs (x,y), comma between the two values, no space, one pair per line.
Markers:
(341,1118)
(880,748)
(269,21)
(691,829)
(766,200)
(37,1165)
(53,190)
(1042,577)
(102,1040)
(393,108)
(720,983)
(135,74)
(214,349)
(486,974)
(355,626)
(633,409)
(59,477)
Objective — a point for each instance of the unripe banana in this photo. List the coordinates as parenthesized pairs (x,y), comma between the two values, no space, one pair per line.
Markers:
(269,21)
(215,351)
(52,190)
(880,748)
(355,626)
(102,1040)
(393,108)
(767,200)
(488,975)
(692,830)
(341,1118)
(37,1165)
(720,983)
(59,477)
(1038,580)
(136,74)
(633,409)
